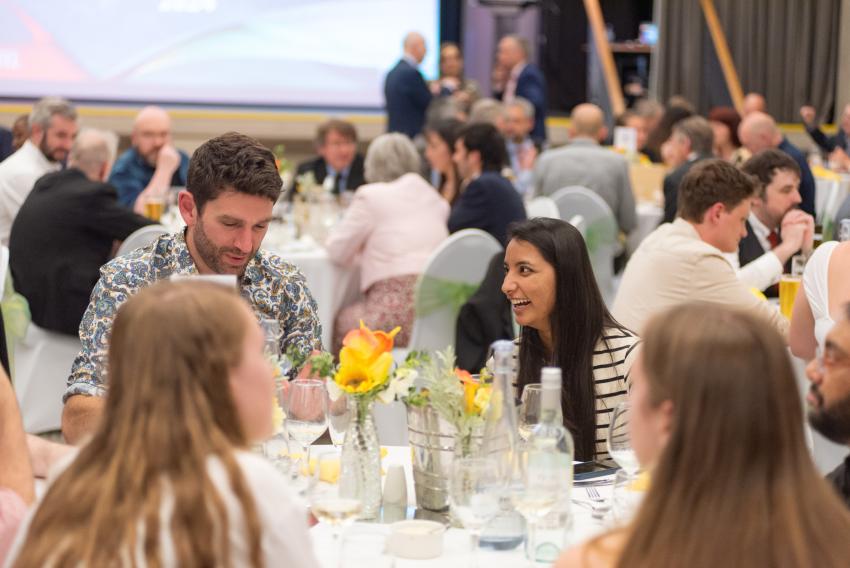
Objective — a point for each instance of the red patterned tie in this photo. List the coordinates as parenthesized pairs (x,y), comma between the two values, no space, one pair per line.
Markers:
(773,239)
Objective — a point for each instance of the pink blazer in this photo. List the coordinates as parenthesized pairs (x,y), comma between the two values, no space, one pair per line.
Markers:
(390,228)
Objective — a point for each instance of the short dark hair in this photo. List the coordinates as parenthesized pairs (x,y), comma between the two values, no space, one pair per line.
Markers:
(486,140)
(763,167)
(342,127)
(232,162)
(710,182)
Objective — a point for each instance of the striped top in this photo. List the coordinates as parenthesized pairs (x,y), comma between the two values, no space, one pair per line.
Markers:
(612,361)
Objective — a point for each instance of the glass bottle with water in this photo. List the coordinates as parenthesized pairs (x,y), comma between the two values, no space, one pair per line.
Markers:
(555,442)
(500,441)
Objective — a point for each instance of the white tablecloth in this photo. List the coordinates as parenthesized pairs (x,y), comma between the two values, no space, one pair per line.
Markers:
(456,542)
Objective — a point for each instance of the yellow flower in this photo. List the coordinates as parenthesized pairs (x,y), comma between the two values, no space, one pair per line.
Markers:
(365,360)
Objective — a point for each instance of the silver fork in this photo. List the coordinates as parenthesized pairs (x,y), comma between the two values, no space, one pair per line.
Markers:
(599,504)
(593,493)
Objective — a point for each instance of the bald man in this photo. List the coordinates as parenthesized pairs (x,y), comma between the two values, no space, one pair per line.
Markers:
(152,165)
(524,80)
(586,163)
(405,92)
(754,102)
(758,131)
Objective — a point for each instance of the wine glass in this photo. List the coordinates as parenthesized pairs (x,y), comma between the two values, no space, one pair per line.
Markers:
(334,500)
(529,410)
(474,490)
(539,482)
(276,448)
(339,416)
(306,413)
(273,334)
(619,441)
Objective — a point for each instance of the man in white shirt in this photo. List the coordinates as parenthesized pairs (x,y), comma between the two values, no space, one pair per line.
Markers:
(683,261)
(776,228)
(53,126)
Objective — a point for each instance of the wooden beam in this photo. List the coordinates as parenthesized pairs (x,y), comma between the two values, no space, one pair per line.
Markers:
(733,83)
(603,50)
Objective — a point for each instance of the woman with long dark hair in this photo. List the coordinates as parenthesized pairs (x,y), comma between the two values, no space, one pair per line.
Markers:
(440,137)
(166,479)
(565,323)
(717,422)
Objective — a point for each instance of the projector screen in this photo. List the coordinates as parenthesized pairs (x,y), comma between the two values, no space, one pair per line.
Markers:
(282,53)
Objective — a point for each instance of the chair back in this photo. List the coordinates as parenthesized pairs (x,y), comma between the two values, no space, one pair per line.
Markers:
(452,274)
(141,238)
(600,232)
(542,206)
(42,364)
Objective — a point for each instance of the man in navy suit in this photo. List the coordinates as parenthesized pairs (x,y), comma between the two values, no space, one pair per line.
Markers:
(828,143)
(758,131)
(525,80)
(406,94)
(487,201)
(776,229)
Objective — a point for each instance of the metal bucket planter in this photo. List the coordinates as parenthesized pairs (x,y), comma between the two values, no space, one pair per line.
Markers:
(432,445)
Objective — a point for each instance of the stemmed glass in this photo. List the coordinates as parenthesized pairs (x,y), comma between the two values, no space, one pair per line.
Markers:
(273,333)
(619,440)
(474,490)
(334,500)
(306,413)
(339,416)
(539,482)
(528,415)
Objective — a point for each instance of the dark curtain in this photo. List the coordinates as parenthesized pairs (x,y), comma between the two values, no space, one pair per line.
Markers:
(784,49)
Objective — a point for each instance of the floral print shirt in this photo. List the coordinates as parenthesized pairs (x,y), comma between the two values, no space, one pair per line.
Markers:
(274,288)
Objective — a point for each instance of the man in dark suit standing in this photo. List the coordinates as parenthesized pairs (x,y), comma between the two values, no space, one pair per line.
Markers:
(336,144)
(65,231)
(406,94)
(776,228)
(524,80)
(828,144)
(758,131)
(487,201)
(690,142)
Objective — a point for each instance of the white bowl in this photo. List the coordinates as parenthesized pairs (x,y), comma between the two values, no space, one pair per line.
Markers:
(416,539)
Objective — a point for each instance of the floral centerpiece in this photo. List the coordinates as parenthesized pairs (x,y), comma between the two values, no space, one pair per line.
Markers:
(365,374)
(456,395)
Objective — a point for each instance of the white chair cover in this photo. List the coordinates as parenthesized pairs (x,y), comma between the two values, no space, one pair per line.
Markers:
(461,259)
(542,206)
(141,238)
(42,365)
(600,232)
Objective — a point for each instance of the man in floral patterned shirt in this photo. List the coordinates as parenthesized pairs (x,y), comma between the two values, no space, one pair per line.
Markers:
(232,185)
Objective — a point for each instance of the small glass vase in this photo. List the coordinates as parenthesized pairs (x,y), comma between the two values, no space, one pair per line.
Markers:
(361,457)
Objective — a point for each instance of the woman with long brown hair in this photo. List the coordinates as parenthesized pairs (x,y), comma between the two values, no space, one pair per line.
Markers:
(166,480)
(717,421)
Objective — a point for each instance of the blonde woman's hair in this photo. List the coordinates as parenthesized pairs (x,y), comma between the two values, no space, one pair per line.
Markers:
(168,411)
(734,485)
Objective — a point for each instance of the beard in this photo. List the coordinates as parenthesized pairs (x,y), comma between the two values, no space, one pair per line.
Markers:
(832,422)
(212,254)
(51,153)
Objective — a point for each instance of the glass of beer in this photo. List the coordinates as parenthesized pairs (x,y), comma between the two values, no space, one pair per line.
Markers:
(789,284)
(154,207)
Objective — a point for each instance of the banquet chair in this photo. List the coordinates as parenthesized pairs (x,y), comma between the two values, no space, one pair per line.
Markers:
(542,207)
(451,275)
(42,364)
(600,232)
(141,238)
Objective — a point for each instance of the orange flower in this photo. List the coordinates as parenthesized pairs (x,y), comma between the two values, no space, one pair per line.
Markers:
(470,387)
(365,360)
